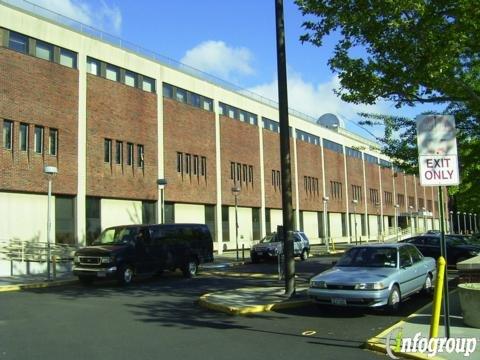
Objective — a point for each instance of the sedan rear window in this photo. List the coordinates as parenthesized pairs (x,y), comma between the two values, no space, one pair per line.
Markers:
(370,257)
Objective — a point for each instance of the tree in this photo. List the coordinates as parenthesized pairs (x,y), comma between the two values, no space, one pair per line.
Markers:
(408,52)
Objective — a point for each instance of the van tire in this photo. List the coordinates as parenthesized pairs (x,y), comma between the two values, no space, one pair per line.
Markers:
(190,269)
(126,274)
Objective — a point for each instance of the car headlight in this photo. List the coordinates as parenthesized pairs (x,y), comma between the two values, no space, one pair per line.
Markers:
(370,286)
(106,259)
(318,284)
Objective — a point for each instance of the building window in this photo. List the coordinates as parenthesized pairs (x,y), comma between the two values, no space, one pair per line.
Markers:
(93,66)
(336,190)
(68,58)
(276,183)
(244,173)
(250,174)
(388,197)
(420,203)
(331,145)
(167,90)
(207,104)
(18,42)
(130,78)
(38,139)
(112,73)
(44,51)
(107,151)
(356,192)
(371,159)
(148,84)
(129,154)
(53,144)
(203,167)
(181,95)
(400,199)
(188,164)
(23,137)
(7,134)
(141,155)
(119,152)
(196,165)
(180,162)
(374,199)
(232,171)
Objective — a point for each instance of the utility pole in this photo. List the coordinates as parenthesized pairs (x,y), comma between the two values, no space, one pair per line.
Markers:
(285,151)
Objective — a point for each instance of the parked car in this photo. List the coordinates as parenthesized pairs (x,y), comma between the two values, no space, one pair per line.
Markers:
(123,252)
(272,245)
(458,249)
(380,275)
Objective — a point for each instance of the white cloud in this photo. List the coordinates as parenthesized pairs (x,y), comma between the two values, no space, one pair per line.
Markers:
(317,99)
(219,59)
(103,17)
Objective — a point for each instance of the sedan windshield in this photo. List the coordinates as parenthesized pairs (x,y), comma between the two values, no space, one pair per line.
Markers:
(116,236)
(370,257)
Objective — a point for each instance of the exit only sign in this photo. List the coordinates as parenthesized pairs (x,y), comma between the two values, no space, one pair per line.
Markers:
(438,170)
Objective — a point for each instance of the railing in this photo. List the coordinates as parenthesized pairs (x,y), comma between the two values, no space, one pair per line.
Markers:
(34,251)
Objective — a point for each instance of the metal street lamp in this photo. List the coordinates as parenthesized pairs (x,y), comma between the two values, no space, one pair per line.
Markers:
(355,202)
(465,222)
(458,222)
(236,191)
(379,222)
(451,222)
(470,221)
(162,183)
(475,221)
(410,210)
(325,219)
(51,171)
(424,220)
(395,207)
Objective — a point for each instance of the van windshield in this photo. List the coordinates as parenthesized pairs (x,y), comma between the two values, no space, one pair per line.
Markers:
(116,236)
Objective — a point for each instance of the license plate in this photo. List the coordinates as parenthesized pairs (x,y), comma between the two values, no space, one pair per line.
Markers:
(260,253)
(339,301)
(101,274)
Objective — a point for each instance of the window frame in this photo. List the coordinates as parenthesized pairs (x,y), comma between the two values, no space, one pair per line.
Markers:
(53,136)
(107,151)
(38,148)
(7,134)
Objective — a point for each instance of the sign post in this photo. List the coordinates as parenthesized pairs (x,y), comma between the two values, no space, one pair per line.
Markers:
(438,163)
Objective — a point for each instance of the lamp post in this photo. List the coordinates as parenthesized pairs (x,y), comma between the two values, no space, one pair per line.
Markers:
(51,171)
(355,202)
(325,219)
(470,221)
(464,222)
(236,192)
(162,183)
(475,221)
(451,222)
(424,220)
(395,207)
(458,222)
(379,231)
(410,210)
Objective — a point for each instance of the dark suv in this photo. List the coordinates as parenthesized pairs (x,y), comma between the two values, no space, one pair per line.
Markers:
(457,249)
(272,245)
(123,252)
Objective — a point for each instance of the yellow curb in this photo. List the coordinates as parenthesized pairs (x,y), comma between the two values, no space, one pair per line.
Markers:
(375,343)
(245,310)
(40,285)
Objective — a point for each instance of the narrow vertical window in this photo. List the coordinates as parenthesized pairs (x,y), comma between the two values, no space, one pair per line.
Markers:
(273,179)
(204,167)
(188,164)
(250,174)
(196,165)
(129,154)
(244,168)
(239,172)
(38,139)
(44,50)
(7,134)
(179,162)
(112,72)
(23,137)
(53,144)
(107,151)
(93,66)
(232,171)
(118,152)
(141,155)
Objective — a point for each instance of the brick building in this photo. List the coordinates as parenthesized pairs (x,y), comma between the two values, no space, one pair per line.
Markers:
(119,124)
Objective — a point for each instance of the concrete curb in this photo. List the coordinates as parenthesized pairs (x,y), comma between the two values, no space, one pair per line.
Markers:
(38,285)
(250,309)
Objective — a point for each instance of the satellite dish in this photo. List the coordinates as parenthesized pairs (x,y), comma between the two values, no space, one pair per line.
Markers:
(331,121)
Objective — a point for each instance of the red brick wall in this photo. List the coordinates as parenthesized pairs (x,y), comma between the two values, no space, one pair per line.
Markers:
(119,112)
(371,174)
(410,191)
(387,185)
(38,92)
(334,171)
(271,161)
(188,130)
(309,163)
(355,177)
(239,143)
(399,179)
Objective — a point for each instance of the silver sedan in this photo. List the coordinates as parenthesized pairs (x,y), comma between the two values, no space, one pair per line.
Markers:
(374,276)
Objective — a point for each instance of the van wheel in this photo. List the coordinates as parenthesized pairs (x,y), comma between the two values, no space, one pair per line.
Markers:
(126,275)
(393,300)
(190,269)
(304,255)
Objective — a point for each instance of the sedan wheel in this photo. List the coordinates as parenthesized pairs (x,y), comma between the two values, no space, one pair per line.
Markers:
(304,255)
(393,300)
(428,285)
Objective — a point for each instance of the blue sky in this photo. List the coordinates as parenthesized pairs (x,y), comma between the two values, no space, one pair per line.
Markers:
(233,40)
